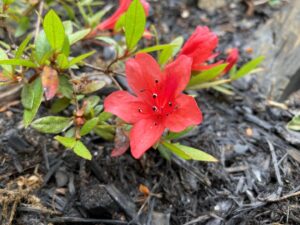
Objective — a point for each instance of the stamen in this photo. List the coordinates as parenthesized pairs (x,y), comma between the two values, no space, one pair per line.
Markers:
(156,81)
(140,110)
(154,108)
(155,124)
(170,104)
(154,95)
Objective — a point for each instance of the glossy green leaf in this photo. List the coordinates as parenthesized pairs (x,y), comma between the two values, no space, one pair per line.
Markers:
(22,47)
(207,85)
(207,75)
(27,96)
(88,126)
(104,116)
(62,61)
(68,142)
(78,59)
(65,87)
(174,135)
(42,48)
(171,51)
(52,124)
(106,132)
(29,114)
(54,29)
(18,62)
(3,56)
(77,36)
(155,48)
(59,105)
(135,22)
(245,69)
(82,151)
(176,150)
(294,124)
(68,26)
(93,86)
(66,47)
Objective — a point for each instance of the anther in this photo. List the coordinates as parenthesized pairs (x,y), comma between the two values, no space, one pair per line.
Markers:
(140,110)
(154,95)
(156,81)
(170,103)
(155,124)
(154,108)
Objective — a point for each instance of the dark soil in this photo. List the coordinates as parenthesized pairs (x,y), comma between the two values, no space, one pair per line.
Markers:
(256,180)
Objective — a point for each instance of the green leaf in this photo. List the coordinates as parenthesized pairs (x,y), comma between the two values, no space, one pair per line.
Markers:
(173,135)
(170,52)
(135,22)
(164,152)
(82,151)
(188,153)
(294,124)
(77,36)
(107,132)
(42,48)
(22,47)
(27,96)
(93,86)
(207,75)
(54,29)
(207,85)
(66,47)
(59,105)
(68,26)
(96,17)
(65,87)
(245,69)
(90,103)
(223,90)
(68,142)
(62,61)
(88,126)
(23,25)
(120,23)
(104,116)
(52,124)
(176,150)
(3,56)
(29,114)
(155,48)
(18,62)
(80,58)
(196,154)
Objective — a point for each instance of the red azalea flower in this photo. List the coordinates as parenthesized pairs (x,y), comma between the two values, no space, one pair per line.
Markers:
(200,48)
(109,23)
(158,102)
(232,58)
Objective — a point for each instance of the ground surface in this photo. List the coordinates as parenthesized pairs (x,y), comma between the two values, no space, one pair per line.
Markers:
(255,182)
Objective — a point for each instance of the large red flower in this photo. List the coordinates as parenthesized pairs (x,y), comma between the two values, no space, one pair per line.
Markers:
(200,48)
(109,23)
(158,102)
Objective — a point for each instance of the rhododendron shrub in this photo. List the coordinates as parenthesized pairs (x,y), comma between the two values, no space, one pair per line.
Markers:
(150,113)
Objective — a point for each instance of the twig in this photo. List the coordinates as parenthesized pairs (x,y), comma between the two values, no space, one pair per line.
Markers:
(275,163)
(38,22)
(199,219)
(84,221)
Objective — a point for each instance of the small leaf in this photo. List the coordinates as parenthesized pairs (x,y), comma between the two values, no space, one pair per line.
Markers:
(170,52)
(164,152)
(27,96)
(3,56)
(207,84)
(50,82)
(62,61)
(18,62)
(42,48)
(77,36)
(82,151)
(156,48)
(105,116)
(93,86)
(135,22)
(90,103)
(68,26)
(65,87)
(245,69)
(54,29)
(88,126)
(176,150)
(107,132)
(121,142)
(66,47)
(29,114)
(23,25)
(22,47)
(52,124)
(59,105)
(223,90)
(173,135)
(294,124)
(207,75)
(68,142)
(80,58)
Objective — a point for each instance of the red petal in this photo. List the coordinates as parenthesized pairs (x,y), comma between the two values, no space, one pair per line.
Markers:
(126,106)
(50,82)
(143,135)
(142,73)
(178,74)
(187,114)
(121,143)
(232,59)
